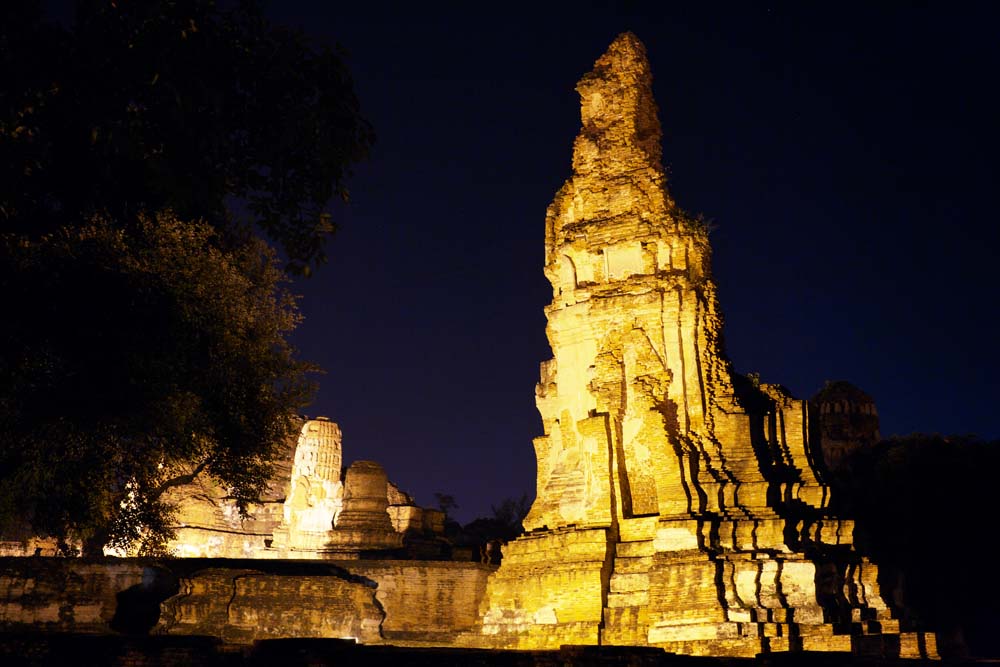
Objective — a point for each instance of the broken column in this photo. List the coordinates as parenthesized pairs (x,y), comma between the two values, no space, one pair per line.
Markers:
(316,494)
(364,524)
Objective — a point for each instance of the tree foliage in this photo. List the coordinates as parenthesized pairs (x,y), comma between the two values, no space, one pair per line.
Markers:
(142,150)
(504,525)
(445,502)
(511,512)
(136,358)
(921,504)
(177,104)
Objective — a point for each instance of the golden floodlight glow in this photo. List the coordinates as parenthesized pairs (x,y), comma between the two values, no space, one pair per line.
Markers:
(675,504)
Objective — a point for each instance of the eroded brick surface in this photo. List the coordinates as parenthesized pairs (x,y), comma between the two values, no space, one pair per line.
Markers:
(677,503)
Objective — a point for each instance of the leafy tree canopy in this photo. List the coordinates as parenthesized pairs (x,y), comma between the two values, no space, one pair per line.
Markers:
(922,504)
(446,502)
(103,407)
(141,150)
(143,106)
(504,524)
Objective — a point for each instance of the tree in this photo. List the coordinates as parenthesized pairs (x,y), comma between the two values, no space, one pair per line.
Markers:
(510,514)
(922,505)
(486,534)
(446,502)
(214,114)
(141,151)
(103,407)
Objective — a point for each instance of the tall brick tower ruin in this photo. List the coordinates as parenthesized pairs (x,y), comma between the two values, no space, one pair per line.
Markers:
(677,503)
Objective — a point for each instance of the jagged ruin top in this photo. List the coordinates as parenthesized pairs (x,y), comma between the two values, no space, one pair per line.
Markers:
(618,186)
(618,111)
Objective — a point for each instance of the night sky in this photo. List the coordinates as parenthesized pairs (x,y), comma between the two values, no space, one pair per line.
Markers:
(846,156)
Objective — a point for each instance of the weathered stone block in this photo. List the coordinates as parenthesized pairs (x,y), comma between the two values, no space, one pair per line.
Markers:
(701,482)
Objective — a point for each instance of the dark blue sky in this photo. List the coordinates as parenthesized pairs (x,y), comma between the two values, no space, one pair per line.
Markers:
(846,154)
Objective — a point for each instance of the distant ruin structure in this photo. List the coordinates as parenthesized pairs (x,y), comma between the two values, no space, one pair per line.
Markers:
(847,421)
(312,510)
(678,504)
(315,492)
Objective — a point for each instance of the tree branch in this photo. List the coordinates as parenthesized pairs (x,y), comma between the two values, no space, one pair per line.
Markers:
(179,480)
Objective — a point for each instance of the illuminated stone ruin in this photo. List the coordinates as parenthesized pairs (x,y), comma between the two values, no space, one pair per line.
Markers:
(677,503)
(847,421)
(308,511)
(364,521)
(315,494)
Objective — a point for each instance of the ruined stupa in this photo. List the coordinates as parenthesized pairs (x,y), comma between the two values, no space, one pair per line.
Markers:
(678,504)
(848,421)
(313,509)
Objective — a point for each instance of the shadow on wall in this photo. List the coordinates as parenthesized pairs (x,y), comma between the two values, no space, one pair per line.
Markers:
(138,607)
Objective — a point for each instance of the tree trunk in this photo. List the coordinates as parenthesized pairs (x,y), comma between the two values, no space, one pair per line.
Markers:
(93,546)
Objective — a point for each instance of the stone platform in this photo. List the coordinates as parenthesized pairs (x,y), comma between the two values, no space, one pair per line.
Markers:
(46,650)
(418,603)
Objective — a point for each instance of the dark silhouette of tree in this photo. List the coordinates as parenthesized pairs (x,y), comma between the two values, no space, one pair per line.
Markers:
(446,503)
(141,152)
(921,505)
(142,106)
(510,513)
(503,526)
(104,408)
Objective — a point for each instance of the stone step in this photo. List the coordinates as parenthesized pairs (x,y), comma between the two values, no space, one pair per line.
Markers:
(633,565)
(890,626)
(628,599)
(628,583)
(635,549)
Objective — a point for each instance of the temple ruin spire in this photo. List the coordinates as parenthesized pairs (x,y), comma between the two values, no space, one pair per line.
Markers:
(618,177)
(619,113)
(677,504)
